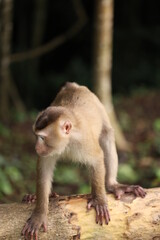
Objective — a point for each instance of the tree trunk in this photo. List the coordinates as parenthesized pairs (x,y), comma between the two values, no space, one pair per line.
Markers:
(8,90)
(38,29)
(103,64)
(131,218)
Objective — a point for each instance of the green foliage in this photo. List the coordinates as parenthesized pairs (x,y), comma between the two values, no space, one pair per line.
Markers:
(127,174)
(84,189)
(5,186)
(125,121)
(4,131)
(72,175)
(8,175)
(13,174)
(157,173)
(66,174)
(156,127)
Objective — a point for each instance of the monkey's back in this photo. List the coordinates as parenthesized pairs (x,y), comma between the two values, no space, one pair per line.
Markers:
(82,101)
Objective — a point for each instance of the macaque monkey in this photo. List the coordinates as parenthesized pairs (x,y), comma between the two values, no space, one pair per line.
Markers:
(76,126)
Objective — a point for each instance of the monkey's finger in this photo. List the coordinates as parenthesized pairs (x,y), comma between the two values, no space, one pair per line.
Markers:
(28,231)
(141,192)
(24,229)
(140,188)
(97,214)
(28,198)
(101,215)
(89,205)
(106,215)
(119,193)
(44,227)
(36,234)
(32,234)
(33,198)
(136,193)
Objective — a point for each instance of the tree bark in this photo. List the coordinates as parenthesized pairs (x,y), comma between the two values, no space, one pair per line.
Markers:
(131,218)
(103,64)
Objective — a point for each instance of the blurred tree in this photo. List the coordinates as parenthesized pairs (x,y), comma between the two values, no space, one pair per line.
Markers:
(103,63)
(58,40)
(9,95)
(8,90)
(38,30)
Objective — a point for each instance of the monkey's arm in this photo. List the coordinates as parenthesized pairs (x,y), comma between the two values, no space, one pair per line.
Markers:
(39,215)
(99,199)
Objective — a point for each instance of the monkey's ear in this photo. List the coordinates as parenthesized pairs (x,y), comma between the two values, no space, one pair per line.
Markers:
(66,127)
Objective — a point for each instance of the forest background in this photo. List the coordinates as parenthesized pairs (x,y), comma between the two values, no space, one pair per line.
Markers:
(29,80)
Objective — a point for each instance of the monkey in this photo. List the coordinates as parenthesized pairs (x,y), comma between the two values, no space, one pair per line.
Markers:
(76,126)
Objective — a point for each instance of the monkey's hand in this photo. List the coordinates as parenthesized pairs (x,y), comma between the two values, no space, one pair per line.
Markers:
(32,226)
(119,190)
(101,210)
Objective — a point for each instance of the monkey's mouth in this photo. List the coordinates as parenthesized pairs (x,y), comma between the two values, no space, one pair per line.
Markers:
(41,153)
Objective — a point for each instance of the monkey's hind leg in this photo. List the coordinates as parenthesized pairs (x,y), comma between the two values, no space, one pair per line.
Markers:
(107,142)
(31,198)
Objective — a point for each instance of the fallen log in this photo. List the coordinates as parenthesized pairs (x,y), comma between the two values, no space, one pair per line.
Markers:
(131,218)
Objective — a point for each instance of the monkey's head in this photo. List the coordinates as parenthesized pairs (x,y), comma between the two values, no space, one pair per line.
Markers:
(52,129)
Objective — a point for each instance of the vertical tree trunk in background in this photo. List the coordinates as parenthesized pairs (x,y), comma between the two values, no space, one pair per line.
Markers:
(40,14)
(5,35)
(103,64)
(8,91)
(38,28)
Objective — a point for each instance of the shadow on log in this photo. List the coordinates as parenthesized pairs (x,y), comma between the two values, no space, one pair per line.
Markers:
(131,218)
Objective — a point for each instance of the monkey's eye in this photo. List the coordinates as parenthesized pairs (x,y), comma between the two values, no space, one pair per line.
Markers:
(41,138)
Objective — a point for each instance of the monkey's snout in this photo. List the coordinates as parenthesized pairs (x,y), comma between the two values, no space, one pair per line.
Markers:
(39,150)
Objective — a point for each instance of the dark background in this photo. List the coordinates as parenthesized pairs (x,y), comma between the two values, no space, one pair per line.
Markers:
(136,48)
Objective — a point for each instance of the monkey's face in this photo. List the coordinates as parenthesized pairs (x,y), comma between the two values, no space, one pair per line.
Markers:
(53,139)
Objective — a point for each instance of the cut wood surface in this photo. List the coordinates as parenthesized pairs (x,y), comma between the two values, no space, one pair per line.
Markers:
(131,218)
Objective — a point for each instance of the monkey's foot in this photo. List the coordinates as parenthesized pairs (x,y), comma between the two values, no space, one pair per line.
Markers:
(119,190)
(31,198)
(101,211)
(32,226)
